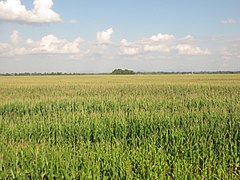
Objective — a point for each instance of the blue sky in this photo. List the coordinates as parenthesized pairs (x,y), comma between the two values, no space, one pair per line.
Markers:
(101,35)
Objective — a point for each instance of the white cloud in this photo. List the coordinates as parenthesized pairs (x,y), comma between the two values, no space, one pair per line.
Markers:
(156,48)
(15,37)
(229,21)
(128,48)
(187,49)
(156,43)
(124,42)
(161,43)
(188,38)
(50,44)
(7,50)
(162,37)
(129,51)
(10,49)
(4,49)
(29,42)
(13,10)
(104,37)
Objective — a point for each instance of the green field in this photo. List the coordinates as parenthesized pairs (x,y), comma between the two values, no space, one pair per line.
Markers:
(120,127)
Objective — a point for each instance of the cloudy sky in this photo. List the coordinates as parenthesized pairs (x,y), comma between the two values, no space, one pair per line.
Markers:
(101,35)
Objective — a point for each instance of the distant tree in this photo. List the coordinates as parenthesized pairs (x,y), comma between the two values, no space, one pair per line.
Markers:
(122,71)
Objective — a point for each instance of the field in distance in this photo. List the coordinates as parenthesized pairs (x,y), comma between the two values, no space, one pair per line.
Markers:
(120,127)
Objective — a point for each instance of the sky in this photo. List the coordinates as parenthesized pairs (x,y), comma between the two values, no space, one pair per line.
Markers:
(98,36)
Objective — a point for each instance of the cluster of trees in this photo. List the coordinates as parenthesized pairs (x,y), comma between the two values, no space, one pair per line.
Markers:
(122,71)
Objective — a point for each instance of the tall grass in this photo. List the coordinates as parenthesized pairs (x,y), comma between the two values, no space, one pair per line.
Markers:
(120,127)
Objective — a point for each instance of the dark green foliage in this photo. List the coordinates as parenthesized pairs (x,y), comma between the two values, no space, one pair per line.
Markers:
(122,71)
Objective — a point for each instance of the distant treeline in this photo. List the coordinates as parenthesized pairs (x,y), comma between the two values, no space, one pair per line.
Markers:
(116,71)
(198,72)
(44,74)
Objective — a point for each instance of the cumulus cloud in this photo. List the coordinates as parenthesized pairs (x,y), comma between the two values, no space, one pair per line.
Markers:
(188,38)
(187,49)
(15,37)
(229,21)
(104,37)
(7,50)
(156,48)
(162,43)
(4,49)
(124,42)
(13,48)
(157,43)
(14,10)
(129,51)
(128,48)
(162,37)
(50,44)
(166,45)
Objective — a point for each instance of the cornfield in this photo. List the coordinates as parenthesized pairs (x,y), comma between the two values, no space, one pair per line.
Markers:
(120,127)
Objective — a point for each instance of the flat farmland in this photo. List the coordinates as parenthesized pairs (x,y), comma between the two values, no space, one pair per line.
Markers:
(120,127)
